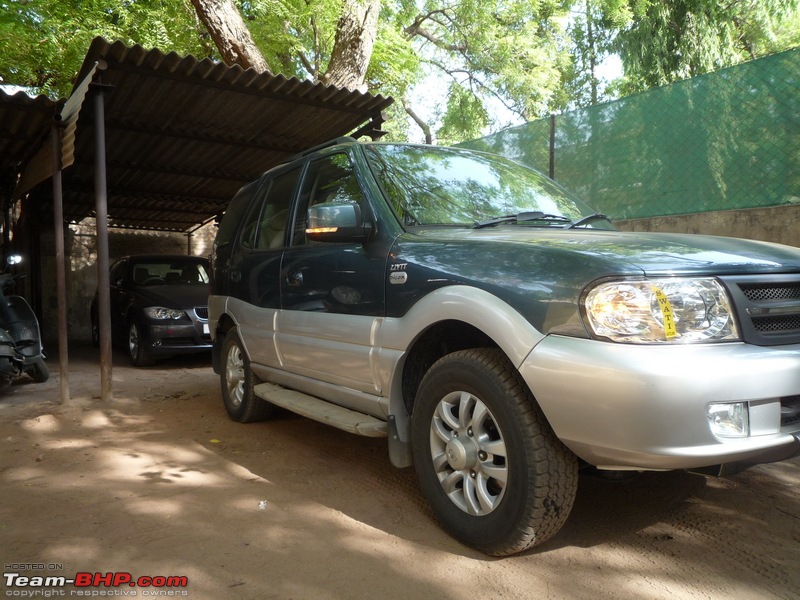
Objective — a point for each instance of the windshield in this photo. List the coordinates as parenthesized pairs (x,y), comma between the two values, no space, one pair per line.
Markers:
(435,185)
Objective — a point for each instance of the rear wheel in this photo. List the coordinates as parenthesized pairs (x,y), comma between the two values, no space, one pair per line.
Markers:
(139,355)
(494,473)
(237,380)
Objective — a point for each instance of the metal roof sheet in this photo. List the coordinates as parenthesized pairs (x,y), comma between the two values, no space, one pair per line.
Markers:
(183,134)
(24,124)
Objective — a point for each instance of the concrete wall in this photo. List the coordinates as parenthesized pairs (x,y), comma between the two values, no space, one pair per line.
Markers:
(780,224)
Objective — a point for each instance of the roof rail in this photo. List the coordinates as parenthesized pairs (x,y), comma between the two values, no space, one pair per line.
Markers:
(328,144)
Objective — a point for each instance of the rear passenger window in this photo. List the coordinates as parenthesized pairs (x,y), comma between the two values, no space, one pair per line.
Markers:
(265,227)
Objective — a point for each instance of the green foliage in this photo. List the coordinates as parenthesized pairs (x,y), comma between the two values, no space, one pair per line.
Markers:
(465,118)
(44,42)
(507,54)
(666,41)
(494,62)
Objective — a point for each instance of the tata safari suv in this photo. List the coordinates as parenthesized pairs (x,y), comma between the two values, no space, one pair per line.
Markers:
(499,332)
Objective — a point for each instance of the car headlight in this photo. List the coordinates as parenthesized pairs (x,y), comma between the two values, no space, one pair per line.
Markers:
(651,311)
(161,313)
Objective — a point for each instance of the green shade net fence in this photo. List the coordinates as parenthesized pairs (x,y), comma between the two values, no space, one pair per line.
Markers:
(725,140)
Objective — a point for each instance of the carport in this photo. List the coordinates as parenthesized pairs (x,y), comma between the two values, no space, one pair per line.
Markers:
(158,142)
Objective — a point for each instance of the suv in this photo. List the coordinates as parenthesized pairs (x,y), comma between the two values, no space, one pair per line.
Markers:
(499,332)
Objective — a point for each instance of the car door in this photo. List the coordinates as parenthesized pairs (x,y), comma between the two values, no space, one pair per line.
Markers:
(254,266)
(332,294)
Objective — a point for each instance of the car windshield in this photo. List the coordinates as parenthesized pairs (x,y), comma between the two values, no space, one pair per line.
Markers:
(435,185)
(183,272)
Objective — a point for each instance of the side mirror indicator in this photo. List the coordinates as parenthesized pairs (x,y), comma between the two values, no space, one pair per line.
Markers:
(336,222)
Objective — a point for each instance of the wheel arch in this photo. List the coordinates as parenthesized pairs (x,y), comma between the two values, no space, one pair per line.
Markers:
(448,320)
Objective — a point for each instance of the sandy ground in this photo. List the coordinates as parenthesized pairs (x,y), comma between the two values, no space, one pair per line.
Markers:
(158,482)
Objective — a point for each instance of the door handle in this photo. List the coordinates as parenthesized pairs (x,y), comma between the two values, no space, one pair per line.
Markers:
(236,275)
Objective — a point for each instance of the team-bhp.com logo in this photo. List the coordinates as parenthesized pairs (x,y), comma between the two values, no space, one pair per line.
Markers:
(94,584)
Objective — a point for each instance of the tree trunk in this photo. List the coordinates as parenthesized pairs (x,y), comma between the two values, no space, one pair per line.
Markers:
(230,34)
(352,48)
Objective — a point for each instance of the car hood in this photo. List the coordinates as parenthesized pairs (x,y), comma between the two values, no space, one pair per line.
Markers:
(173,296)
(650,253)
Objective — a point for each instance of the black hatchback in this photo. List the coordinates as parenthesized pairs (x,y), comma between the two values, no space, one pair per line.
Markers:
(159,306)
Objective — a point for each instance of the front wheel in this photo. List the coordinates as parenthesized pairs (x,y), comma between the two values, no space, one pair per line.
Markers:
(488,463)
(39,371)
(137,351)
(237,381)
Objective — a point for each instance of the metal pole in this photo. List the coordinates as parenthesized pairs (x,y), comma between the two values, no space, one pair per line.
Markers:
(61,278)
(101,211)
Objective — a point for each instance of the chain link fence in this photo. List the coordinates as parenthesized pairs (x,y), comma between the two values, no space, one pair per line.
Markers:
(725,140)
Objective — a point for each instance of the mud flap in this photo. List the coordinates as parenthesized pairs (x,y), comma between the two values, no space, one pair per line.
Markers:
(399,449)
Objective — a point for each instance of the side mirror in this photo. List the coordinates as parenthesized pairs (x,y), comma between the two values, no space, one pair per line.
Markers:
(336,222)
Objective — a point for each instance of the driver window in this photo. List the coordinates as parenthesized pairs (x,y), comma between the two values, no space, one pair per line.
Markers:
(328,179)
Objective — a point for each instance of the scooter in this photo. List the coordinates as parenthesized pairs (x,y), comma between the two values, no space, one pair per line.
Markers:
(20,340)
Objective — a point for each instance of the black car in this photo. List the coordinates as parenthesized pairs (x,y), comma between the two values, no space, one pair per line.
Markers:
(159,306)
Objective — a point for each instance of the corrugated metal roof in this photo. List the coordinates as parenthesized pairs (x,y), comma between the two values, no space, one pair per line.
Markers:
(24,123)
(182,134)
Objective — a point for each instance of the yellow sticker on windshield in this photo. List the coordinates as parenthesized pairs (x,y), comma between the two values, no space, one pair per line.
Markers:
(666,311)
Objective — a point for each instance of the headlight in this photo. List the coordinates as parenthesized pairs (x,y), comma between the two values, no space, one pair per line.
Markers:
(158,312)
(651,311)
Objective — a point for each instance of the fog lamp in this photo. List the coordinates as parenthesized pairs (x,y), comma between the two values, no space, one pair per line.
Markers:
(728,419)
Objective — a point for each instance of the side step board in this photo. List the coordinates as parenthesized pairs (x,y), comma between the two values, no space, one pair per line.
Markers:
(319,410)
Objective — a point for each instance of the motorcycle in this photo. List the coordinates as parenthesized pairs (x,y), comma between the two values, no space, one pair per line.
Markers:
(21,348)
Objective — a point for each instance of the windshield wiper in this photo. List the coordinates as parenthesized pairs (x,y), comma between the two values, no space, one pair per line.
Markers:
(535,215)
(588,219)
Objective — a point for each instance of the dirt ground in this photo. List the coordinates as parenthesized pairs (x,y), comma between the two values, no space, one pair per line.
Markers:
(159,482)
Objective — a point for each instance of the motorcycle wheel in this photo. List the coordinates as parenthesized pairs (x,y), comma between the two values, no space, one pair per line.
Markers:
(39,371)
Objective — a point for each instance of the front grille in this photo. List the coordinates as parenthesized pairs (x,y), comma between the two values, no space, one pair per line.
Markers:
(777,324)
(201,312)
(765,292)
(767,308)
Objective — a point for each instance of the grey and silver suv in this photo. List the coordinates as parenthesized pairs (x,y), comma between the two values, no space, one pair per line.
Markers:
(499,332)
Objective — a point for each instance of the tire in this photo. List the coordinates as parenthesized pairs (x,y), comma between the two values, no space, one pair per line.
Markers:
(139,355)
(487,461)
(237,381)
(39,371)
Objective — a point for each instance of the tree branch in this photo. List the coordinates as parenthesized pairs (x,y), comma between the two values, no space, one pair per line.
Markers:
(426,129)
(416,29)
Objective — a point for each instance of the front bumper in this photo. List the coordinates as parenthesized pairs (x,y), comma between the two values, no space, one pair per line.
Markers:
(163,338)
(620,406)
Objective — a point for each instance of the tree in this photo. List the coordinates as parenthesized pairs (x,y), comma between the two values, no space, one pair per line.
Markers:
(504,53)
(593,27)
(497,63)
(43,42)
(666,41)
(230,34)
(352,48)
(508,55)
